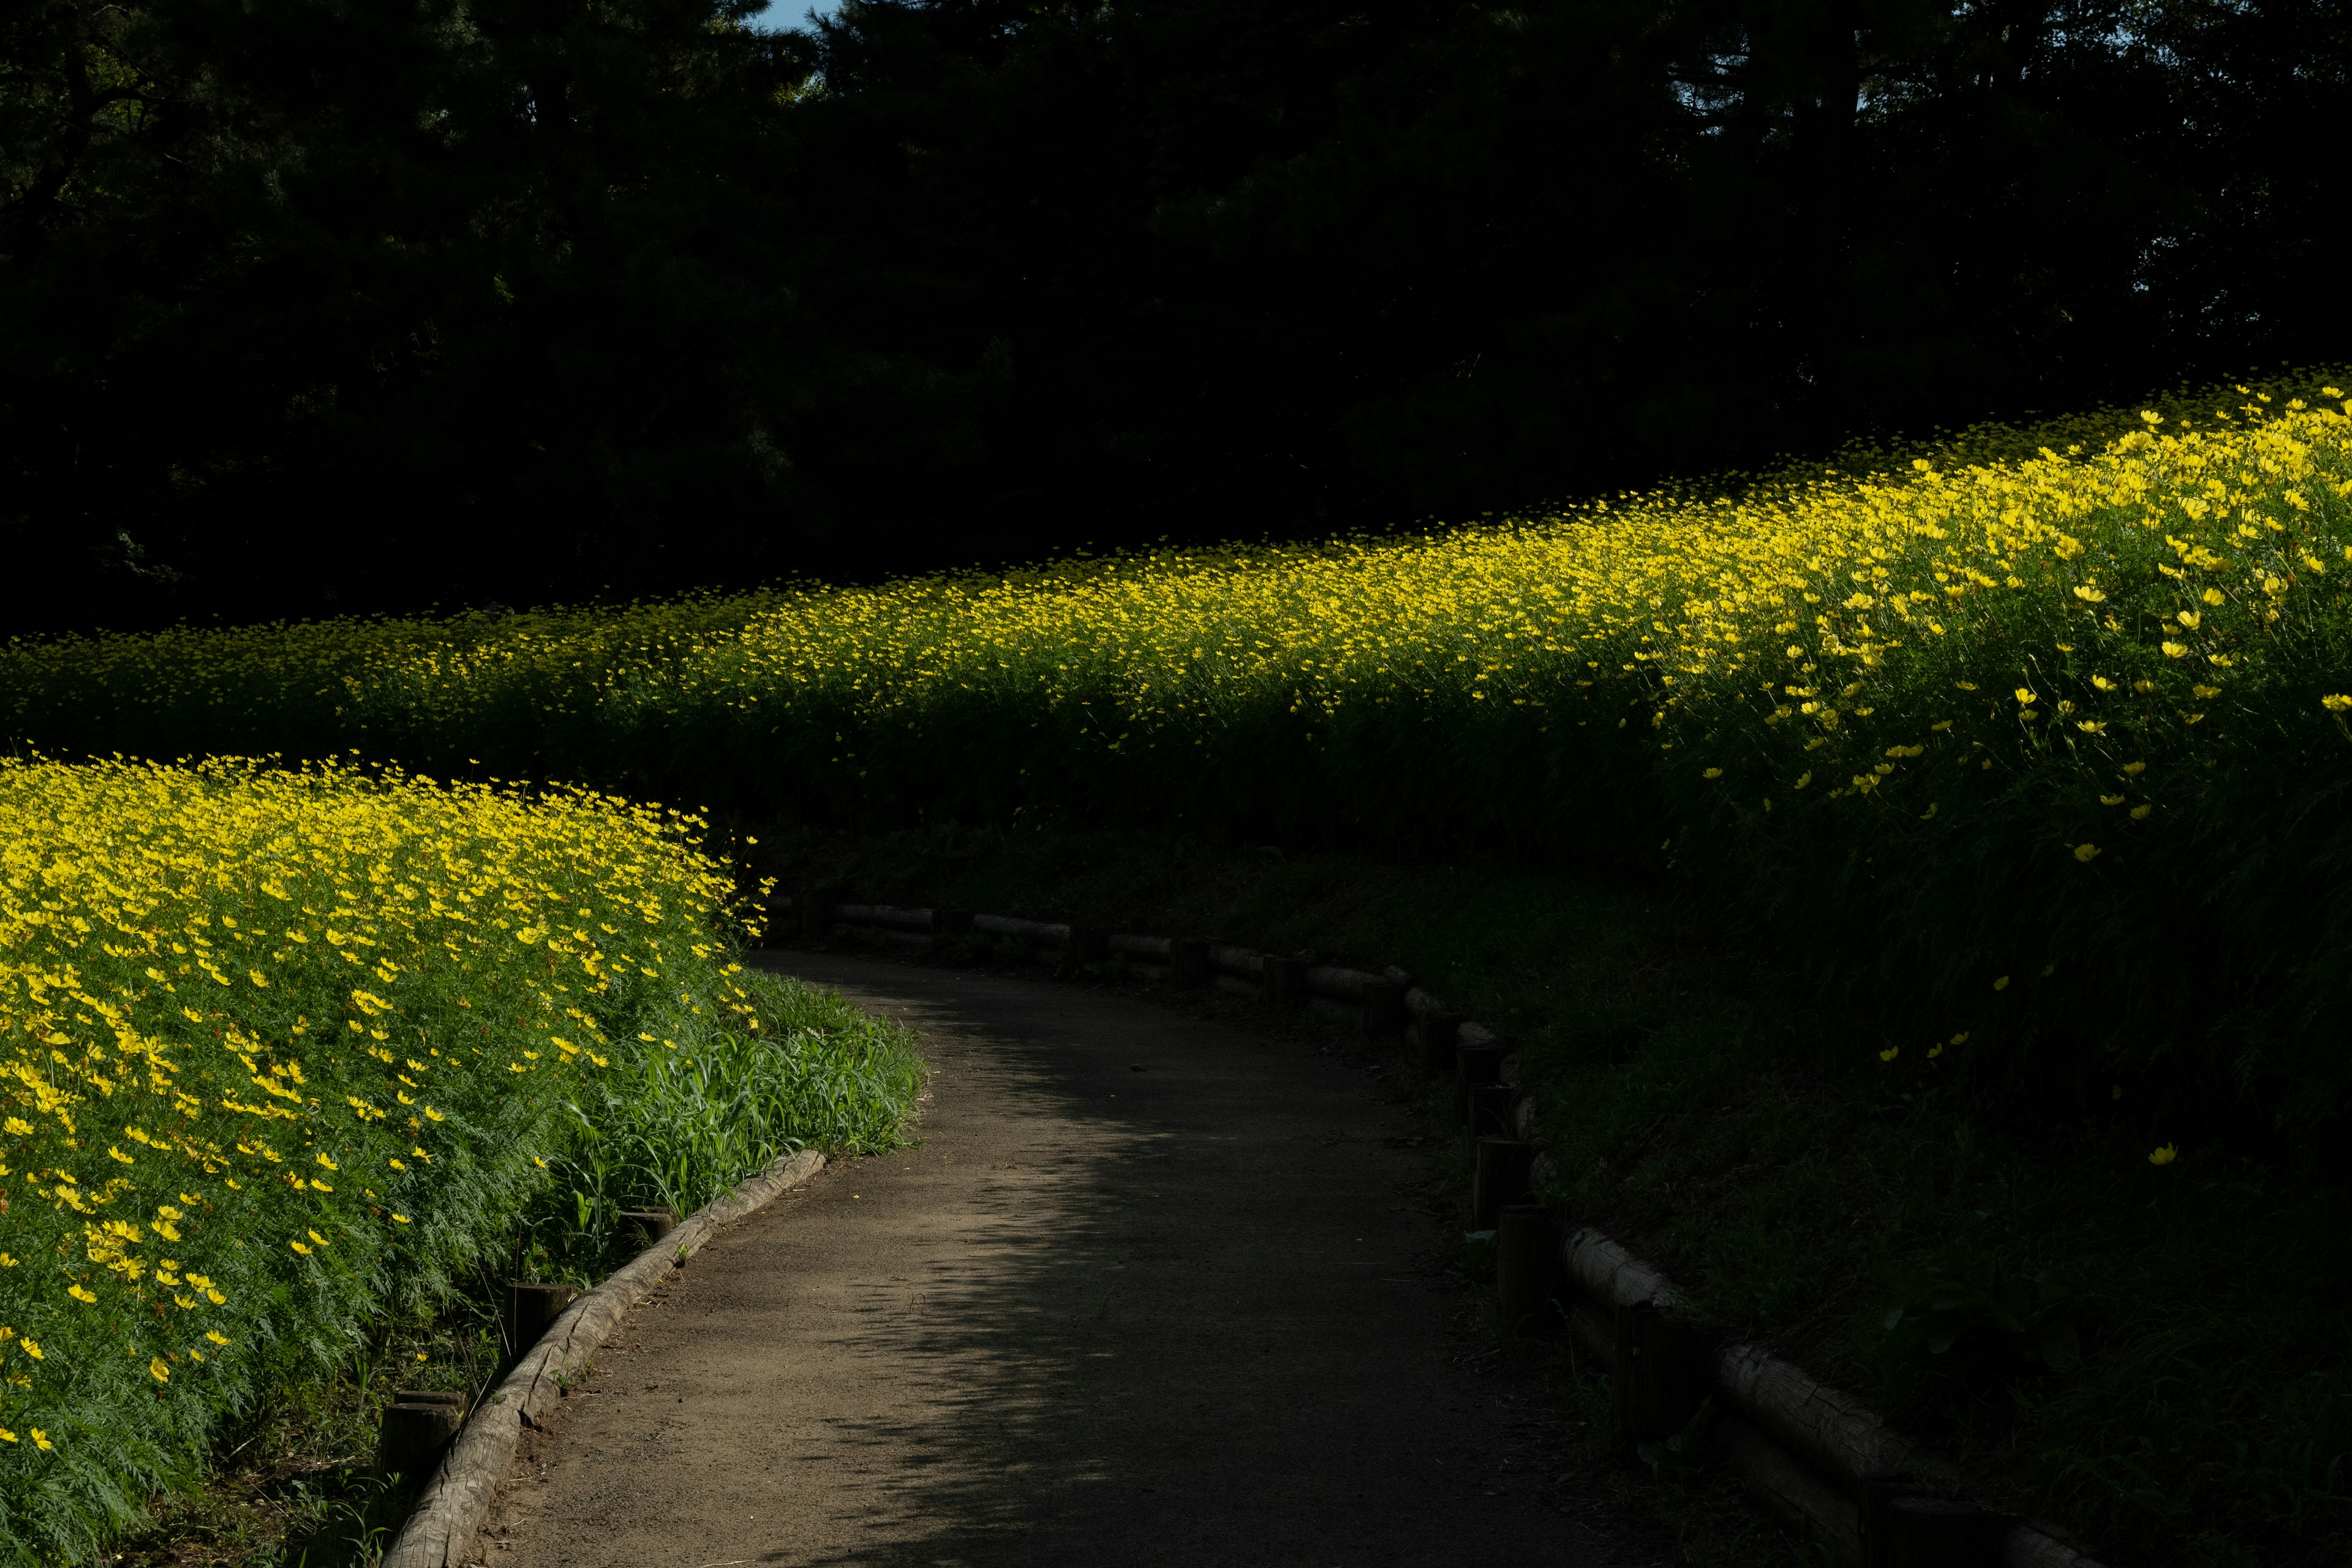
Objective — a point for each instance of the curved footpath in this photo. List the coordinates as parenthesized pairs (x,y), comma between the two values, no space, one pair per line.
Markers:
(1150,1290)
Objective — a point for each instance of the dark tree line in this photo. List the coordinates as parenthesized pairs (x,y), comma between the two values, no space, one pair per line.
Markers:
(321,305)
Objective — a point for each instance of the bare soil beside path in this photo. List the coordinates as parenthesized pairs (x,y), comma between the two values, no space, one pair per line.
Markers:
(1150,1290)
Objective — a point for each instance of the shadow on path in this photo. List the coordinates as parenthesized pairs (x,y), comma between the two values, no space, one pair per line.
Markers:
(1148,1289)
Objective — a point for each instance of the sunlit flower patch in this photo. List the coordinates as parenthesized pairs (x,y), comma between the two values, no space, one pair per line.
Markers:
(1976,710)
(279,1052)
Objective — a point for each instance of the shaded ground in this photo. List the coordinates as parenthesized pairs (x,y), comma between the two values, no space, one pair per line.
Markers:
(1149,1290)
(1790,1154)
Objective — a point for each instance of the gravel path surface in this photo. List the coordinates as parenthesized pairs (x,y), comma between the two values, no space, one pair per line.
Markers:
(1150,1290)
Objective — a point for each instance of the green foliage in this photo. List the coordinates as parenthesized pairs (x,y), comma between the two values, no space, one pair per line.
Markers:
(684,1120)
(1685,1450)
(288,1056)
(1966,1312)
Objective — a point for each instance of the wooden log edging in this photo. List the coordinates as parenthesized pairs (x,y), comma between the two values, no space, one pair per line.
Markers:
(1051,933)
(1782,1416)
(1812,1455)
(440,1531)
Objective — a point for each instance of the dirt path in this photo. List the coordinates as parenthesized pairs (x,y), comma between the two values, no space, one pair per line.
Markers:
(1150,1290)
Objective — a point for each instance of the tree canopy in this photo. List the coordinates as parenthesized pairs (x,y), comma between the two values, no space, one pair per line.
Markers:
(310,306)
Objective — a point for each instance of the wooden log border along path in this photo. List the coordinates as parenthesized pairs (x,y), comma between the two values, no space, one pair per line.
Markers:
(440,1531)
(1815,1458)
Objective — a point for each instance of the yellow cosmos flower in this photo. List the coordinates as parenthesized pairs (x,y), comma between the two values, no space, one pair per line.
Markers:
(2163,1155)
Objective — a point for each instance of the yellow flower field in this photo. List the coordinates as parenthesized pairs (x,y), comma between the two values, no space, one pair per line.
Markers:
(1960,718)
(280,1050)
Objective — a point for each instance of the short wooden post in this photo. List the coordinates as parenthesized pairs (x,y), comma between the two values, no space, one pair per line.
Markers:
(1187,961)
(1526,1261)
(531,1308)
(1660,1377)
(457,1396)
(1384,1011)
(1877,1524)
(416,1426)
(1501,1178)
(1285,982)
(1436,1032)
(1941,1532)
(1474,1065)
(643,1227)
(1088,944)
